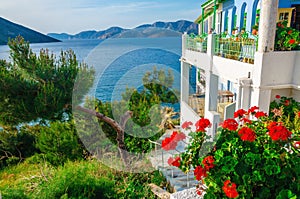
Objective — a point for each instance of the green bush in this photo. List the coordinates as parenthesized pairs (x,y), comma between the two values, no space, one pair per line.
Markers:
(16,145)
(59,143)
(13,194)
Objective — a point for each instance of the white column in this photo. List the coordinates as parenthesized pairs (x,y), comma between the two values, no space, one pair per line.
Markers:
(245,93)
(209,21)
(211,102)
(183,42)
(185,70)
(261,98)
(211,92)
(200,29)
(267,25)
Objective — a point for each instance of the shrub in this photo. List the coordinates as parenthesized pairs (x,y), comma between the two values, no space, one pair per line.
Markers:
(16,145)
(59,143)
(286,38)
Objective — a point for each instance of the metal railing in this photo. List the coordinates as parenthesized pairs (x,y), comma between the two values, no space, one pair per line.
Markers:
(241,49)
(197,43)
(177,179)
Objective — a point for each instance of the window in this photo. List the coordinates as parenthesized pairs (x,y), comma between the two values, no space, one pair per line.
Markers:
(283,16)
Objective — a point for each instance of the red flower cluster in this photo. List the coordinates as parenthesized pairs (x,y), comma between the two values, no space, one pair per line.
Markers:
(200,172)
(186,125)
(290,32)
(202,124)
(247,134)
(280,25)
(208,162)
(260,114)
(253,110)
(277,97)
(229,189)
(278,132)
(246,121)
(287,102)
(174,162)
(239,113)
(170,143)
(292,41)
(298,114)
(230,124)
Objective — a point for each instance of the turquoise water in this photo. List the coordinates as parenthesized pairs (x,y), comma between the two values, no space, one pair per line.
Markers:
(119,62)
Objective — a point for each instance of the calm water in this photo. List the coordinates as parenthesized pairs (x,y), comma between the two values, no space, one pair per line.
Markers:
(121,62)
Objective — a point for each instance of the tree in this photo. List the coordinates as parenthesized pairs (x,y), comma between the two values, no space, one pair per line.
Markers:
(39,87)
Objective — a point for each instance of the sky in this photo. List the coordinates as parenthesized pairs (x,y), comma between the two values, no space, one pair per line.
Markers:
(74,16)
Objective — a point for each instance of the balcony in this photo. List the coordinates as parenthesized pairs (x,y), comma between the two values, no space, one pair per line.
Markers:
(225,101)
(196,43)
(198,48)
(238,48)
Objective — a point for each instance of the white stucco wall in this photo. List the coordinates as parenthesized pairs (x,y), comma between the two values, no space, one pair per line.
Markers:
(274,68)
(201,60)
(296,72)
(231,69)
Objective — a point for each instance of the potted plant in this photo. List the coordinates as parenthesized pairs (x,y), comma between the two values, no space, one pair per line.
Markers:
(286,38)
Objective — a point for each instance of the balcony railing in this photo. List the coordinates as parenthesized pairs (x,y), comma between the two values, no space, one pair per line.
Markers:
(241,49)
(196,43)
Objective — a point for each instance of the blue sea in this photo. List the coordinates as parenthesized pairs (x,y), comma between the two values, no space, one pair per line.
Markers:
(119,62)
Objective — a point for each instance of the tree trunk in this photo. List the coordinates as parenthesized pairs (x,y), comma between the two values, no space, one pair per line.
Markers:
(119,128)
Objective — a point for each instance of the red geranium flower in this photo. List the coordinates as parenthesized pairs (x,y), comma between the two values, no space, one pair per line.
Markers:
(178,136)
(239,113)
(287,102)
(176,162)
(186,124)
(271,125)
(199,191)
(290,32)
(277,97)
(278,132)
(168,144)
(230,124)
(299,114)
(229,189)
(208,162)
(200,172)
(170,161)
(292,41)
(202,124)
(247,134)
(252,109)
(246,121)
(260,114)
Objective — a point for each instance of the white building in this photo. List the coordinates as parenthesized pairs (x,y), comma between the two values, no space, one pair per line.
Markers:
(254,79)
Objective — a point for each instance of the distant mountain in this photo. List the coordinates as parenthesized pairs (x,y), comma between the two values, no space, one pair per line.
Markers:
(157,29)
(9,29)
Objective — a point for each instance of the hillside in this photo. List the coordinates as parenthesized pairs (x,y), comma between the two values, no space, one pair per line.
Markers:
(11,30)
(157,29)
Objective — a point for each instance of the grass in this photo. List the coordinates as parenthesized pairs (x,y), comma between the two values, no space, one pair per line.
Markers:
(79,179)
